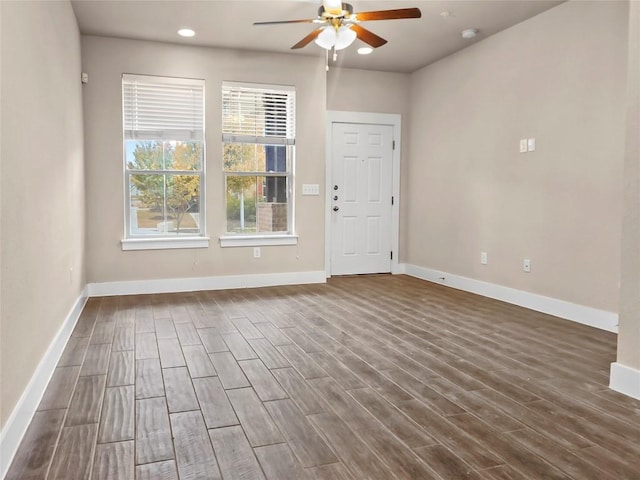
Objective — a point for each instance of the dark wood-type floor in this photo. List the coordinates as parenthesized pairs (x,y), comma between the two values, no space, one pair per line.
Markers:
(374,377)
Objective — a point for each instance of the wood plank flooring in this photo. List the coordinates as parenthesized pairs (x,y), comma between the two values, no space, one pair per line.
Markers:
(369,377)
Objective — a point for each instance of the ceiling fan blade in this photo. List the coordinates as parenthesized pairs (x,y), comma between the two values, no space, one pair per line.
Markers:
(389,14)
(368,36)
(308,20)
(308,39)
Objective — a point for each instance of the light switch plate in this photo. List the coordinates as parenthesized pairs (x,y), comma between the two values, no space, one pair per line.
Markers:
(310,189)
(523,145)
(531,144)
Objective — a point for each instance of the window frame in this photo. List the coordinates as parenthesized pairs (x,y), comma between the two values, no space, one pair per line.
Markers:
(191,131)
(285,139)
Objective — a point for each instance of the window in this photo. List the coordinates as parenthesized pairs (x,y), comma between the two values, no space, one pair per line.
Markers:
(258,137)
(163,161)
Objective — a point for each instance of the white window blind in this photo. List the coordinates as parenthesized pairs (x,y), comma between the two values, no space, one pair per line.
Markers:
(156,108)
(258,114)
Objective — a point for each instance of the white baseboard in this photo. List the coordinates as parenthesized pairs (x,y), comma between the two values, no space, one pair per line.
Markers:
(593,317)
(625,380)
(23,412)
(172,285)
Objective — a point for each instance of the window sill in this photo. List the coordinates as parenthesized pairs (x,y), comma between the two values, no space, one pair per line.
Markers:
(164,243)
(257,240)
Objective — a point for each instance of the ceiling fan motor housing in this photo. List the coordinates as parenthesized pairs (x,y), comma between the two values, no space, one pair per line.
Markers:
(347,10)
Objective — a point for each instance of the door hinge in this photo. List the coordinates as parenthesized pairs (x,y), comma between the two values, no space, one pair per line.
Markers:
(391,255)
(393,145)
(392,200)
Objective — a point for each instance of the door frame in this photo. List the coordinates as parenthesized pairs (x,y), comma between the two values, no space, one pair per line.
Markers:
(392,119)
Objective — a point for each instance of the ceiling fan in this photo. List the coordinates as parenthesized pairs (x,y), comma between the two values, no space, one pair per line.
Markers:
(340,25)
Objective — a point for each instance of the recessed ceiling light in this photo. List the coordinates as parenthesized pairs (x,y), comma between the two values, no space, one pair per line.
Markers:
(365,50)
(186,32)
(469,33)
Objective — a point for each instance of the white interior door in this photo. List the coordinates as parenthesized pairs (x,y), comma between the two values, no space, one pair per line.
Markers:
(361,191)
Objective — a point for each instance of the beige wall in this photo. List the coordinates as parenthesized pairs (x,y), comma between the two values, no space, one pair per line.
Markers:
(42,246)
(629,330)
(354,90)
(559,77)
(105,60)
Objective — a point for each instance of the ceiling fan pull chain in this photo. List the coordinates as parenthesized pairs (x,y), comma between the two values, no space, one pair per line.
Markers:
(335,54)
(326,57)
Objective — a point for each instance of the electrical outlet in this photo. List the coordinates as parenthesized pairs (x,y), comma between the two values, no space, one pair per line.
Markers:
(483,258)
(526,265)
(256,252)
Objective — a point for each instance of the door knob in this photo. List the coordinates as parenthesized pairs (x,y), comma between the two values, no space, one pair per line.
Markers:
(336,208)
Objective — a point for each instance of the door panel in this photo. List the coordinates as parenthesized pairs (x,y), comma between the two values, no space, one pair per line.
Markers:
(362,171)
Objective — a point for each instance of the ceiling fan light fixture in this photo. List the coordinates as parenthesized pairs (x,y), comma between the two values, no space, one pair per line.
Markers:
(186,32)
(327,38)
(345,37)
(339,38)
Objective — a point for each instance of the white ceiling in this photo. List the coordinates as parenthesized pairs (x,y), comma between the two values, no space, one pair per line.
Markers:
(412,43)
